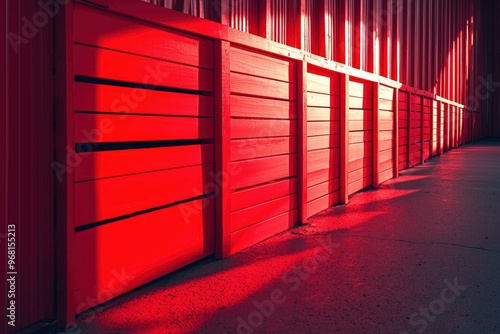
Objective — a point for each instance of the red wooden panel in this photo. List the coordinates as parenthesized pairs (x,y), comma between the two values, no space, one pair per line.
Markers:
(386,93)
(116,128)
(321,142)
(386,175)
(356,164)
(323,84)
(104,164)
(360,184)
(322,189)
(360,103)
(386,105)
(322,100)
(385,156)
(361,115)
(322,203)
(256,195)
(321,159)
(386,144)
(114,99)
(261,128)
(262,147)
(360,137)
(107,30)
(360,125)
(114,197)
(144,248)
(111,65)
(255,214)
(252,63)
(257,171)
(246,106)
(359,150)
(250,85)
(360,89)
(323,175)
(322,128)
(253,234)
(323,114)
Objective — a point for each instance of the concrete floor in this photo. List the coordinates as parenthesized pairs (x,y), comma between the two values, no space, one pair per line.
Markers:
(419,255)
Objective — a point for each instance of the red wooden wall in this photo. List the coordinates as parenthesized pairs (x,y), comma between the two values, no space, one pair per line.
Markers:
(263,133)
(180,137)
(323,140)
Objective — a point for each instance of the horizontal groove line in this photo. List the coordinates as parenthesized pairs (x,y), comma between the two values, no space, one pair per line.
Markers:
(115,219)
(118,83)
(291,177)
(141,55)
(87,147)
(126,114)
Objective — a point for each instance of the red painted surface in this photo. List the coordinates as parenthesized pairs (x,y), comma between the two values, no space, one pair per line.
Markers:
(185,137)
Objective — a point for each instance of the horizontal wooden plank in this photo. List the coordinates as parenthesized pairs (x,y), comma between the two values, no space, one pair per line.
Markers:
(386,105)
(386,125)
(255,214)
(114,197)
(255,86)
(256,195)
(322,100)
(256,148)
(403,96)
(323,128)
(385,136)
(360,184)
(321,159)
(323,114)
(117,128)
(256,64)
(359,174)
(262,170)
(322,203)
(387,164)
(386,175)
(385,145)
(365,162)
(138,100)
(321,142)
(323,175)
(110,65)
(360,137)
(262,128)
(322,189)
(360,89)
(386,93)
(104,164)
(258,232)
(360,115)
(360,103)
(144,248)
(360,125)
(255,107)
(384,156)
(107,30)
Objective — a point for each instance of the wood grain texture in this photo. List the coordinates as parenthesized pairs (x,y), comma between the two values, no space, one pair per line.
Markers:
(163,241)
(110,65)
(99,128)
(107,30)
(115,197)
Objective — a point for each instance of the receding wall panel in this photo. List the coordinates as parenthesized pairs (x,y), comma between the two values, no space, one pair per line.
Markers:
(360,166)
(323,140)
(263,131)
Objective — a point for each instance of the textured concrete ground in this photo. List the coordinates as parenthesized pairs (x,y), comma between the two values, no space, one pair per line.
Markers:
(419,255)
